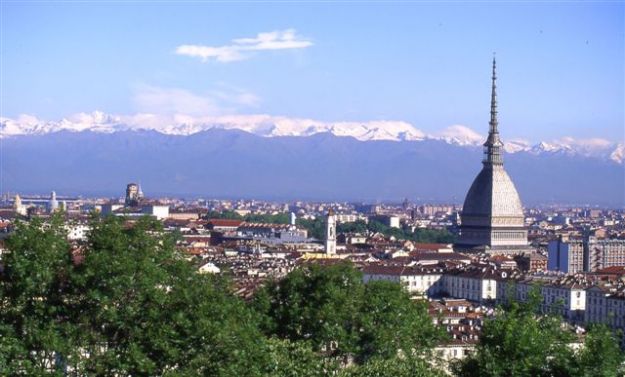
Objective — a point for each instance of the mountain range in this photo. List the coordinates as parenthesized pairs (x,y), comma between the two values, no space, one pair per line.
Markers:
(284,158)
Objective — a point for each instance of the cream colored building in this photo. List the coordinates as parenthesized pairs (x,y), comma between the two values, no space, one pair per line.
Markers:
(417,281)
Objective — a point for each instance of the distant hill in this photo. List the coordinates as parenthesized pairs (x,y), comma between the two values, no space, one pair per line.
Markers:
(221,162)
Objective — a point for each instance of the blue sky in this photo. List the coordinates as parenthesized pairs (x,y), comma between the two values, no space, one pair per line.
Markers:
(561,66)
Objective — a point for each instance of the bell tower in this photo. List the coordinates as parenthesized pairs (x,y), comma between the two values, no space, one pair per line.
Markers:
(330,245)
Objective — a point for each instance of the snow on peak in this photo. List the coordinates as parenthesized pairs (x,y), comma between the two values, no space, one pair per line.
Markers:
(517,145)
(544,146)
(593,147)
(460,135)
(279,126)
(618,154)
(178,124)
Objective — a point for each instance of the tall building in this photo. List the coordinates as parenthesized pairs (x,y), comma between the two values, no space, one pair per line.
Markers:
(19,208)
(330,246)
(53,204)
(587,254)
(292,218)
(139,193)
(492,215)
(133,194)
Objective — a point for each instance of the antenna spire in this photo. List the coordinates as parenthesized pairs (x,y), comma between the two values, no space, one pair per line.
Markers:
(493,145)
(493,100)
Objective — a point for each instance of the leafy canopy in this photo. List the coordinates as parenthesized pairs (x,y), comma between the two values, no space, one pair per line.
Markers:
(331,307)
(520,342)
(129,305)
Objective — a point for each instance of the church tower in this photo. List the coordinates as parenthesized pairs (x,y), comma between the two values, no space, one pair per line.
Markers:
(53,204)
(18,207)
(330,245)
(492,215)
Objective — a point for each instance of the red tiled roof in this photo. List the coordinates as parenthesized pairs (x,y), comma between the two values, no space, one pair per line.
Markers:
(612,270)
(225,222)
(438,256)
(430,246)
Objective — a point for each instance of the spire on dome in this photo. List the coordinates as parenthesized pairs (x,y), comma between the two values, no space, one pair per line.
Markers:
(494,146)
(493,101)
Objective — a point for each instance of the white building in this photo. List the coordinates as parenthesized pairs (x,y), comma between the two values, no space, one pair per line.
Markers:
(606,304)
(564,295)
(474,284)
(18,207)
(161,212)
(53,204)
(349,218)
(417,281)
(110,208)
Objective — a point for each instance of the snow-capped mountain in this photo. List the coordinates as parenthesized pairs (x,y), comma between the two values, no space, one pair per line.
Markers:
(233,163)
(260,125)
(618,154)
(595,147)
(278,126)
(460,135)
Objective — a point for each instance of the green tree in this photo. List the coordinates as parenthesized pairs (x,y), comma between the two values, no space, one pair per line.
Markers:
(315,303)
(522,343)
(33,314)
(390,321)
(297,359)
(146,311)
(331,305)
(393,367)
(230,215)
(352,227)
(315,228)
(600,356)
(280,218)
(132,306)
(432,236)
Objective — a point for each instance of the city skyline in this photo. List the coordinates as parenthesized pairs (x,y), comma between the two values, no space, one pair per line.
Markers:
(275,188)
(561,63)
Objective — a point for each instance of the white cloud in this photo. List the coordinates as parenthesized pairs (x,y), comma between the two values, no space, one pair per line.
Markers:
(223,54)
(152,99)
(236,96)
(96,117)
(158,100)
(240,48)
(28,119)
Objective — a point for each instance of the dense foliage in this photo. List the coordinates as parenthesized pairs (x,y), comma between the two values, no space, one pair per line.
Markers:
(332,308)
(520,342)
(125,303)
(279,218)
(130,306)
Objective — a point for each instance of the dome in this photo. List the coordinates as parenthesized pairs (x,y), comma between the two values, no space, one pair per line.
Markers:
(492,214)
(492,194)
